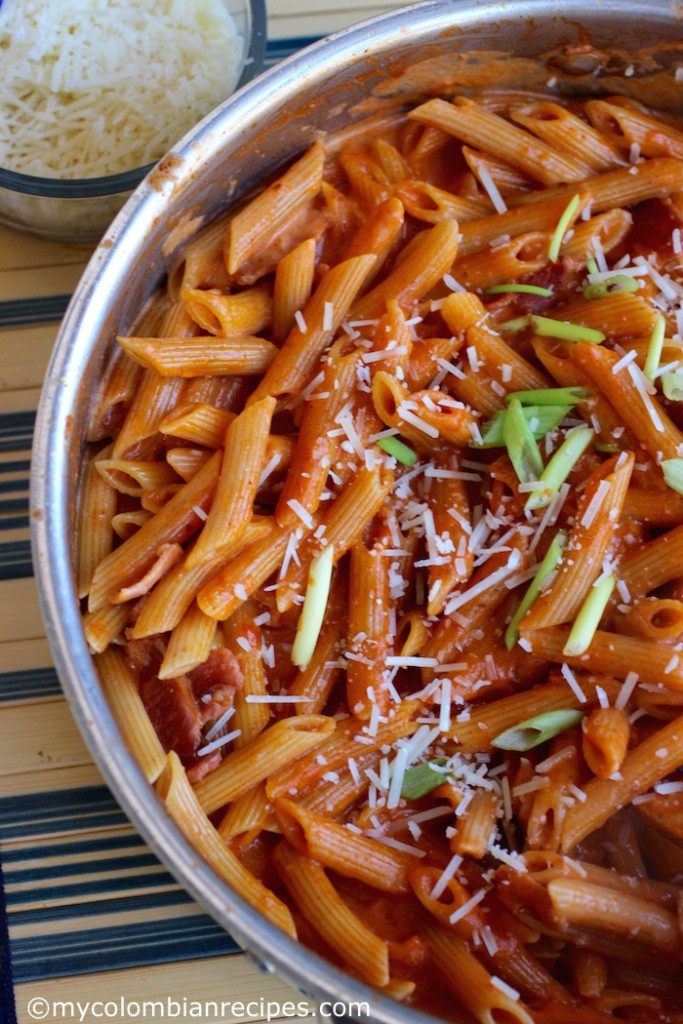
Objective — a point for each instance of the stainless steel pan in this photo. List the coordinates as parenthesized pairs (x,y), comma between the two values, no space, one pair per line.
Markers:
(359,72)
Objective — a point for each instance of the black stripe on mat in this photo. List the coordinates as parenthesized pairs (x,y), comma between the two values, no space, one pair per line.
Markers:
(132,945)
(16,466)
(69,810)
(83,845)
(16,431)
(14,523)
(44,872)
(43,310)
(11,486)
(103,887)
(122,905)
(29,684)
(15,559)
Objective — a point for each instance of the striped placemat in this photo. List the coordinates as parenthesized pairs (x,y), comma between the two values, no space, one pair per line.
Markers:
(87,912)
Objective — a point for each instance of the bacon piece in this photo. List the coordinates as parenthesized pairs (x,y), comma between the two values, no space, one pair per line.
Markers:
(167,556)
(146,656)
(172,709)
(203,765)
(219,677)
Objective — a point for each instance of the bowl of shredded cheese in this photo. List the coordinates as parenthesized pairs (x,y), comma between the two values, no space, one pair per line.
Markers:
(93,93)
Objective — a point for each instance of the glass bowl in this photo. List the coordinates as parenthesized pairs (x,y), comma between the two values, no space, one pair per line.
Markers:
(79,209)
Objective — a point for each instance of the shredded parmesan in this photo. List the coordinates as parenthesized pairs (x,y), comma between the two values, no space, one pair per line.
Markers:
(489,184)
(503,987)
(573,683)
(222,741)
(595,504)
(465,909)
(627,688)
(96,87)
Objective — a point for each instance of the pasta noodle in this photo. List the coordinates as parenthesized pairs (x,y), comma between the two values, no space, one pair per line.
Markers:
(381,550)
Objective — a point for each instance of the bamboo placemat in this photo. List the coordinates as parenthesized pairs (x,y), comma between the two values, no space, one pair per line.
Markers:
(90,912)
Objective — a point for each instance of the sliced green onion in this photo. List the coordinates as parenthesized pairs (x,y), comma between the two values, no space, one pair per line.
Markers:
(527,289)
(313,611)
(548,565)
(618,283)
(673,474)
(551,396)
(654,351)
(592,267)
(561,229)
(588,619)
(538,729)
(548,328)
(611,449)
(560,466)
(672,385)
(399,450)
(521,444)
(541,419)
(518,324)
(422,779)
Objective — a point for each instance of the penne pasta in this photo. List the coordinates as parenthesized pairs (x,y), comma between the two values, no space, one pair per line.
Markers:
(383,558)
(194,357)
(480,128)
(327,913)
(181,803)
(269,212)
(264,755)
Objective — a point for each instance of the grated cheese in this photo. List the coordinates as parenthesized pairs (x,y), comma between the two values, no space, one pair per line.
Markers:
(573,683)
(220,723)
(479,588)
(595,504)
(471,903)
(503,987)
(222,741)
(416,421)
(96,87)
(489,184)
(447,874)
(279,698)
(627,688)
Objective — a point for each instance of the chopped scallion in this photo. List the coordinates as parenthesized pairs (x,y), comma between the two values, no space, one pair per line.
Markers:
(518,324)
(560,466)
(399,450)
(521,444)
(541,419)
(672,385)
(527,289)
(654,350)
(537,730)
(588,619)
(673,474)
(618,283)
(313,611)
(611,449)
(548,565)
(551,396)
(561,229)
(592,267)
(548,328)
(422,779)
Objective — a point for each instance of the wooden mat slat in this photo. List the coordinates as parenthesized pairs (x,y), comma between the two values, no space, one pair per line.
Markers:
(24,354)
